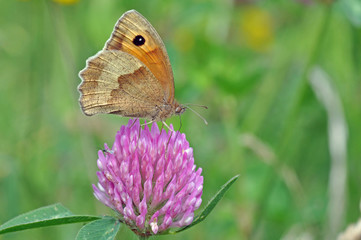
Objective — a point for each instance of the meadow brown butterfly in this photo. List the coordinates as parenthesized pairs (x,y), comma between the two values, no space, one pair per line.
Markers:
(132,75)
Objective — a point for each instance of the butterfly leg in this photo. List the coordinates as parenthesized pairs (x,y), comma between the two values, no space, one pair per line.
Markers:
(180,123)
(144,124)
(171,135)
(147,123)
(135,120)
(167,126)
(166,149)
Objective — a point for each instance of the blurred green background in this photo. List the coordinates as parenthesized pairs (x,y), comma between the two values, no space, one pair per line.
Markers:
(281,80)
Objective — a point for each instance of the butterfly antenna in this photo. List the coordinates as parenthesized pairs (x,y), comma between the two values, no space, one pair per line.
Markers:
(196,105)
(200,116)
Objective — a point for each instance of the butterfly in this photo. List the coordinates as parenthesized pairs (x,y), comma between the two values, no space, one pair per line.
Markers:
(131,76)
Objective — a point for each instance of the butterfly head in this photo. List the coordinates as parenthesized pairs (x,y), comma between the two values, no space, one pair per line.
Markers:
(180,109)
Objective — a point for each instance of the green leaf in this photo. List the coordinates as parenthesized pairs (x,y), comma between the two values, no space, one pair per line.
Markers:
(103,229)
(55,214)
(210,206)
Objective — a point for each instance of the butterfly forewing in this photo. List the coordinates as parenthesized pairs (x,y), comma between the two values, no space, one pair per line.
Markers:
(152,53)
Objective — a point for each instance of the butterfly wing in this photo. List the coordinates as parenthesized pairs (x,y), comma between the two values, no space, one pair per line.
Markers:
(151,53)
(119,83)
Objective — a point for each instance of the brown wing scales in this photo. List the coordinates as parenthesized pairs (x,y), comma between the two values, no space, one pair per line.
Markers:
(116,82)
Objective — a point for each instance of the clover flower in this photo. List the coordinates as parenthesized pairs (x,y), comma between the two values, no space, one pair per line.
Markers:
(150,179)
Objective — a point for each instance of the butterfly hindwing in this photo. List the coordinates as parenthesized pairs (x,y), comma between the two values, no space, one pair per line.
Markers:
(119,83)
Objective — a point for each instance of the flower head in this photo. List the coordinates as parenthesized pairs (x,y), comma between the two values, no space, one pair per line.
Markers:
(149,177)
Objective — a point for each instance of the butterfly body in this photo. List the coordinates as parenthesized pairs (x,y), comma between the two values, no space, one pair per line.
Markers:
(132,75)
